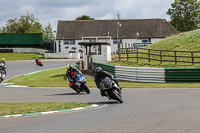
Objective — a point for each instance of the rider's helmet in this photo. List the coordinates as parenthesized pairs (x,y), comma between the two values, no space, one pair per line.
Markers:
(98,71)
(69,67)
(2,59)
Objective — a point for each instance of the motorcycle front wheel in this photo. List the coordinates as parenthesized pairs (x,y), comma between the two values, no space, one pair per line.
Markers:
(116,95)
(85,88)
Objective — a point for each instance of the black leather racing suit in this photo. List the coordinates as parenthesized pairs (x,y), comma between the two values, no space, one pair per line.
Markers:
(99,77)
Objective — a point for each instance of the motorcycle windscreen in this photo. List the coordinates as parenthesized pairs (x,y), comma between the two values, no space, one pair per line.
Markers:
(106,84)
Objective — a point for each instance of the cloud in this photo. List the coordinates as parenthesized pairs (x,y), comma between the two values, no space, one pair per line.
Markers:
(54,10)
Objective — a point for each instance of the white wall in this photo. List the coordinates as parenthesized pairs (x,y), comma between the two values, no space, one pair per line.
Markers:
(114,47)
(105,55)
(27,50)
(62,56)
(67,50)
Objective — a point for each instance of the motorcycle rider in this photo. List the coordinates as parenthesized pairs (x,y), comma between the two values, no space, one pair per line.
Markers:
(100,75)
(3,61)
(70,73)
(4,67)
(36,61)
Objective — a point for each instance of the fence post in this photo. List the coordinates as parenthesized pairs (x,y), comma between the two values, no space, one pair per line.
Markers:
(160,56)
(192,58)
(149,55)
(175,57)
(127,53)
(137,53)
(119,50)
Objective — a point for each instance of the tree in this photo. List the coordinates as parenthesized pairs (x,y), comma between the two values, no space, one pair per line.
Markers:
(25,24)
(48,32)
(28,24)
(185,14)
(84,17)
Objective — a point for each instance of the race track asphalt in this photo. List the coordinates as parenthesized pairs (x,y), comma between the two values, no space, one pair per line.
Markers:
(147,110)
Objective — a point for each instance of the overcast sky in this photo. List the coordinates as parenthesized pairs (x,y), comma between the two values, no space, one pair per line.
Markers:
(54,10)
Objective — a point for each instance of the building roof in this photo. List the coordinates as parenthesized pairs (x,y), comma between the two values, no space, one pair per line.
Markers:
(147,28)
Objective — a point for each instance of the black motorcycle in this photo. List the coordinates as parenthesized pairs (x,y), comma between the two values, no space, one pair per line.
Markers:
(3,67)
(2,72)
(111,89)
(2,75)
(80,84)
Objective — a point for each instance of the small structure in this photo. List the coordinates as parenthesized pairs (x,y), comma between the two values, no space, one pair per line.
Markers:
(97,49)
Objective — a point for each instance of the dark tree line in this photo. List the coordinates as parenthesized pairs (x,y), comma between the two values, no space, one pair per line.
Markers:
(27,24)
(185,15)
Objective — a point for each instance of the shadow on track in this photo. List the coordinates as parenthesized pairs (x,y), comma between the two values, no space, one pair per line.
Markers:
(104,102)
(63,94)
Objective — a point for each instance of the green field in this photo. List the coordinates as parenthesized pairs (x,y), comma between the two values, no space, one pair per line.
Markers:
(57,78)
(20,56)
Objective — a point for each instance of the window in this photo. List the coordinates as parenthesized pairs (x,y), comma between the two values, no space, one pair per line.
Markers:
(99,49)
(96,50)
(72,42)
(145,40)
(116,42)
(66,42)
(69,42)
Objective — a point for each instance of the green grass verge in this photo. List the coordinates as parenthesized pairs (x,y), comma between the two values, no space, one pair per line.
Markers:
(49,78)
(188,41)
(127,84)
(20,56)
(56,78)
(24,108)
(152,64)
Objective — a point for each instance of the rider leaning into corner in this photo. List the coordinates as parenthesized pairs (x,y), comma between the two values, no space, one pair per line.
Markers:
(100,75)
(4,62)
(70,73)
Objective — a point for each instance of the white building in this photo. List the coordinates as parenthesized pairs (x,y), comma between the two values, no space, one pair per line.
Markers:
(128,32)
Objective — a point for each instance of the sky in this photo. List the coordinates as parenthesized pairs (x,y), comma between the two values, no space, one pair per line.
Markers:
(53,10)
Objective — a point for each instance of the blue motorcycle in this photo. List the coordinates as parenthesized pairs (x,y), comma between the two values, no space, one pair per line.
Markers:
(80,84)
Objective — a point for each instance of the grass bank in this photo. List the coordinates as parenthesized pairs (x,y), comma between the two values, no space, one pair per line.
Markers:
(24,108)
(152,64)
(188,41)
(20,56)
(56,78)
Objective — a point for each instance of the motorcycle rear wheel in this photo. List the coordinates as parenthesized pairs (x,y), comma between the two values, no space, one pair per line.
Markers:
(77,90)
(117,96)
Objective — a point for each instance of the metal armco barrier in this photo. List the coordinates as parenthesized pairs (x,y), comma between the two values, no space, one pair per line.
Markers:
(182,75)
(140,74)
(137,74)
(152,75)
